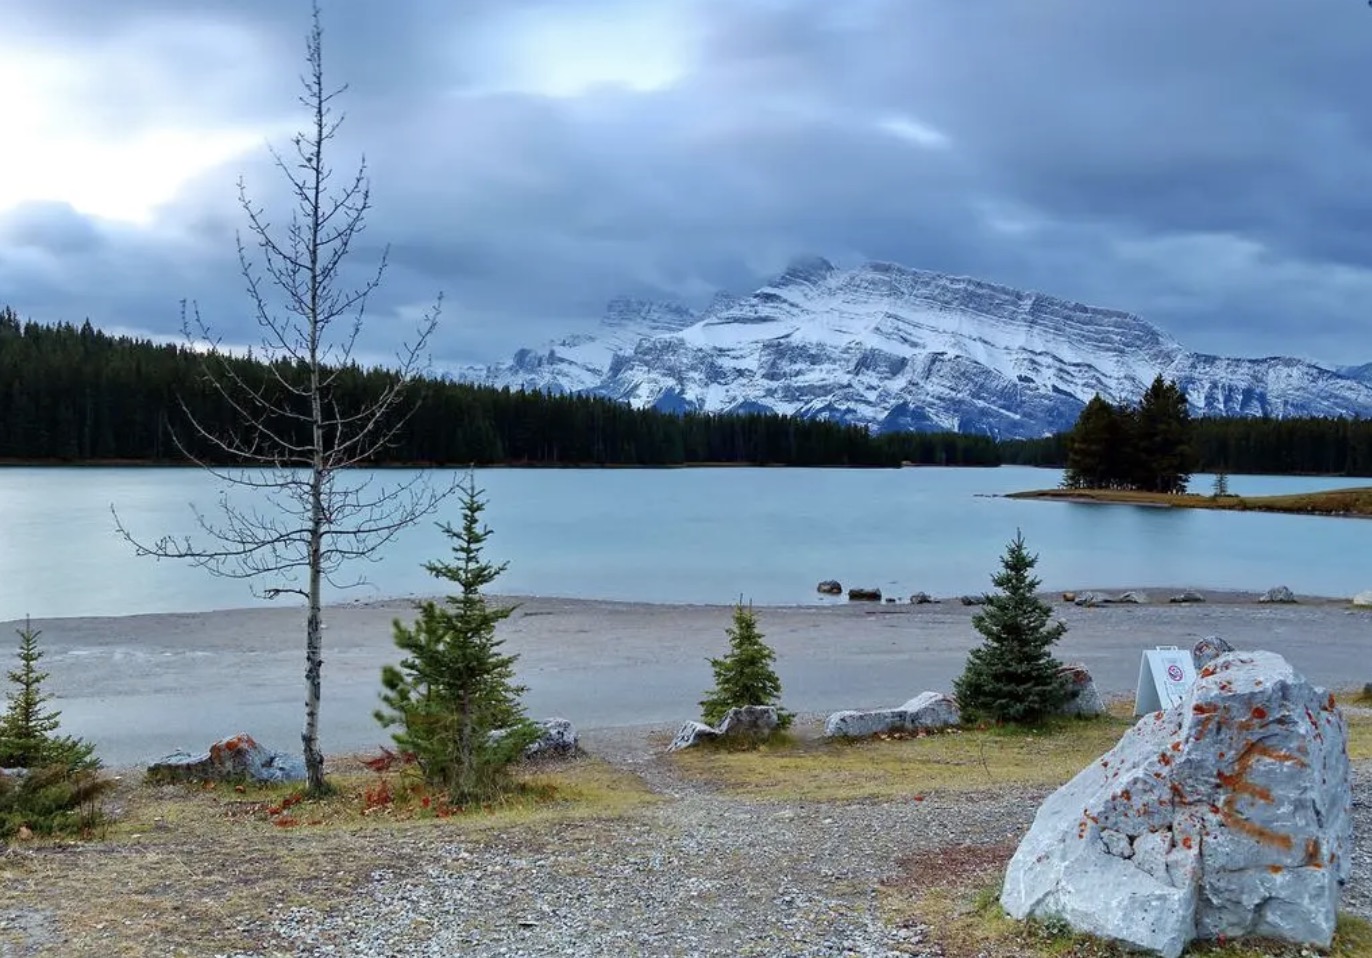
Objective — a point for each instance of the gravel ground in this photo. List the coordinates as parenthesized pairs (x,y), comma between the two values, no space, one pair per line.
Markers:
(703,874)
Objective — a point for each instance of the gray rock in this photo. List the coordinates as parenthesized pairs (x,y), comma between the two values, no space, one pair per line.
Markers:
(751,721)
(1363,599)
(921,598)
(1091,599)
(557,739)
(1237,808)
(1186,597)
(1208,650)
(236,758)
(830,587)
(1280,594)
(973,599)
(928,710)
(1132,598)
(864,595)
(1084,699)
(692,734)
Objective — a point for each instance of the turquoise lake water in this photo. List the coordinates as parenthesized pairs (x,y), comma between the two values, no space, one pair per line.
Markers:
(690,535)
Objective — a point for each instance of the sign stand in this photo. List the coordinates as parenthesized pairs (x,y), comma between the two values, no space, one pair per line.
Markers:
(1166,674)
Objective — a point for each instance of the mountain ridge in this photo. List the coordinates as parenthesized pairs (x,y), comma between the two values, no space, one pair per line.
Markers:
(897,348)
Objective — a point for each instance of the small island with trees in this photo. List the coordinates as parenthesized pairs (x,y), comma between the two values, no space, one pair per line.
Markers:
(1143,455)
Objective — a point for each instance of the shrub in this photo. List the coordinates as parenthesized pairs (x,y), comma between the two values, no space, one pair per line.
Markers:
(1012,676)
(745,675)
(453,696)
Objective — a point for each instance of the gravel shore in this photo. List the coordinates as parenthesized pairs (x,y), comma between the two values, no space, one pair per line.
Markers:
(701,875)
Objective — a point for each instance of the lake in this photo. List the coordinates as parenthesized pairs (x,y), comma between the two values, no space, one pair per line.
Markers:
(691,536)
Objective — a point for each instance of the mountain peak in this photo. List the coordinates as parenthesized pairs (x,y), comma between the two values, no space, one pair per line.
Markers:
(805,271)
(896,348)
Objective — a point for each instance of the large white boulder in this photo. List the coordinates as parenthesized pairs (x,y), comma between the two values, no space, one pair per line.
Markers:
(1363,599)
(1228,815)
(928,710)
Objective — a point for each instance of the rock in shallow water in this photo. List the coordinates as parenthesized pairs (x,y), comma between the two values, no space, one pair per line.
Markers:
(1279,594)
(1229,815)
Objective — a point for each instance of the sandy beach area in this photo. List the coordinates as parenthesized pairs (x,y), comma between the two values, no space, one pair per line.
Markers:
(141,686)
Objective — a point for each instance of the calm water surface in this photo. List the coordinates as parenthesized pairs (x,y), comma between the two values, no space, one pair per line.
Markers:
(691,535)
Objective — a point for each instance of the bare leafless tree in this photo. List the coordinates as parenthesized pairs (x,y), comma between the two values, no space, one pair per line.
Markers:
(299,507)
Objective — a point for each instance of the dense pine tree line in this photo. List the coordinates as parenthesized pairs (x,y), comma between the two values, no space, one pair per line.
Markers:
(1258,446)
(72,393)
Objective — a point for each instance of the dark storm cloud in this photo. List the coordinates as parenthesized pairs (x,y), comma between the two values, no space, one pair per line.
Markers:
(1207,165)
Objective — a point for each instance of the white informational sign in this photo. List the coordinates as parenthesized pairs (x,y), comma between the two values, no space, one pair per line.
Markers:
(1166,674)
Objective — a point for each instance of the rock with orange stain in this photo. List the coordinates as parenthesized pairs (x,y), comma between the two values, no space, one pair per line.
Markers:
(1083,698)
(235,758)
(1228,816)
(1208,650)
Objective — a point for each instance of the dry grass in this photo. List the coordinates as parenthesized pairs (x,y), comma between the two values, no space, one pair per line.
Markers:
(955,893)
(791,768)
(193,871)
(794,769)
(1333,502)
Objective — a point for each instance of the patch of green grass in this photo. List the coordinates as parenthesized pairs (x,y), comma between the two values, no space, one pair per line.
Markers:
(796,769)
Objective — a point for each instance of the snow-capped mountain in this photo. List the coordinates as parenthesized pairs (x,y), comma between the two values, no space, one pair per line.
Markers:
(579,363)
(898,348)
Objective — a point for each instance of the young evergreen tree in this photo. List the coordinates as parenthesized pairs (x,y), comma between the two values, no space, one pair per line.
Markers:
(744,676)
(1012,676)
(28,730)
(453,696)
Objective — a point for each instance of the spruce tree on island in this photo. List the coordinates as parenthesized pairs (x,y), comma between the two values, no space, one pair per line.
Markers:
(453,696)
(744,676)
(1012,676)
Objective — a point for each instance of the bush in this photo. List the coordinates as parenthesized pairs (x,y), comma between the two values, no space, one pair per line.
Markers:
(453,696)
(1012,676)
(745,675)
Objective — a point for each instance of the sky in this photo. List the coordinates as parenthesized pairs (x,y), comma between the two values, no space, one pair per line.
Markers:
(1205,165)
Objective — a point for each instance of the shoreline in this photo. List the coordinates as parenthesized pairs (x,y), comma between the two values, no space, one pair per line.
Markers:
(1353,502)
(1158,595)
(141,686)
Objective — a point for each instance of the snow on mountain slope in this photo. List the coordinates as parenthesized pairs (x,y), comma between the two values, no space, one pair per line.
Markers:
(898,348)
(579,363)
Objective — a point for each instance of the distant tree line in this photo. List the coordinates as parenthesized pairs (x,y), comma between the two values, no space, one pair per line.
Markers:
(77,394)
(1253,445)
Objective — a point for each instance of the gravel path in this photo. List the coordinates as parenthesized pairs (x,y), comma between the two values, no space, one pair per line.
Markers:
(703,874)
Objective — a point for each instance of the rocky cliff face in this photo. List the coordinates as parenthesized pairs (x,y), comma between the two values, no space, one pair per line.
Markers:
(898,348)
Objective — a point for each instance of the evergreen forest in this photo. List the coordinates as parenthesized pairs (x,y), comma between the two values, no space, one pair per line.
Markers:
(77,394)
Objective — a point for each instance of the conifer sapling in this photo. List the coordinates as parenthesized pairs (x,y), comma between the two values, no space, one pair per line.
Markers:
(453,696)
(1012,676)
(744,676)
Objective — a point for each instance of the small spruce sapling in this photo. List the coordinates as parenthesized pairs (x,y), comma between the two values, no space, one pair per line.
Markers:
(453,697)
(744,676)
(1012,676)
(28,730)
(61,785)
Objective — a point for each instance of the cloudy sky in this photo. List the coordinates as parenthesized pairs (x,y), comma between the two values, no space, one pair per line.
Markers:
(1205,164)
